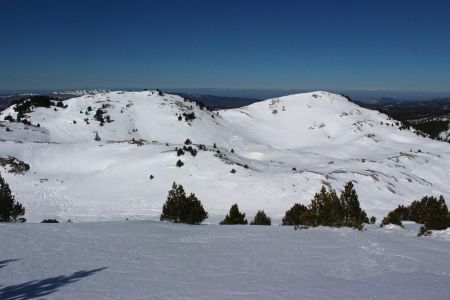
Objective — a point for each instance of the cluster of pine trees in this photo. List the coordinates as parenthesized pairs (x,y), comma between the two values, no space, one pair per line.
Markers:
(235,217)
(25,106)
(430,211)
(101,117)
(189,116)
(327,209)
(182,151)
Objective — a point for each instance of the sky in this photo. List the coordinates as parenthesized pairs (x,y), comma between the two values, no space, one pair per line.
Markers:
(237,44)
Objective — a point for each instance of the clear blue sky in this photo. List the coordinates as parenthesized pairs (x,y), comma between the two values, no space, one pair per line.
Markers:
(402,45)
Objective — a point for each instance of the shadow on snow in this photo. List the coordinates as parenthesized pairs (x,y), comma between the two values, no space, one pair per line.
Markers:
(40,288)
(3,263)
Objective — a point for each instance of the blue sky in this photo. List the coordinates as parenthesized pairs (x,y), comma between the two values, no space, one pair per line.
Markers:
(399,45)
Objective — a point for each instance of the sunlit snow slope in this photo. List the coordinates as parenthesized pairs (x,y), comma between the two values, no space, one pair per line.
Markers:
(284,149)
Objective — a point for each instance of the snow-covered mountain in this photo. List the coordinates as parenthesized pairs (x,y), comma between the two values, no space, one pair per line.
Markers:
(282,150)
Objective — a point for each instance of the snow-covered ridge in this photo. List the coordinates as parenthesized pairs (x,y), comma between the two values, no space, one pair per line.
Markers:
(81,92)
(291,145)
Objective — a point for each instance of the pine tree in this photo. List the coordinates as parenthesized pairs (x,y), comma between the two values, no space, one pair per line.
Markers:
(353,215)
(292,216)
(182,209)
(437,217)
(391,218)
(234,217)
(10,210)
(325,210)
(261,219)
(403,212)
(180,163)
(180,152)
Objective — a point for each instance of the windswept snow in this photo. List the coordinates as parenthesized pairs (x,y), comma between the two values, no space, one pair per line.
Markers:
(291,145)
(156,260)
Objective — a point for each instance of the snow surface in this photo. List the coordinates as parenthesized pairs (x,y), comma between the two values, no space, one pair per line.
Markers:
(326,138)
(445,135)
(156,260)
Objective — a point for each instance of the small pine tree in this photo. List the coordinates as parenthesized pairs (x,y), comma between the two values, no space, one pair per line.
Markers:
(215,146)
(261,219)
(391,218)
(180,208)
(180,163)
(353,215)
(180,152)
(292,216)
(234,217)
(187,142)
(10,210)
(373,220)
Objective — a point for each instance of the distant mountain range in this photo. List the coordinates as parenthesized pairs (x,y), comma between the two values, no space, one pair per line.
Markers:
(430,116)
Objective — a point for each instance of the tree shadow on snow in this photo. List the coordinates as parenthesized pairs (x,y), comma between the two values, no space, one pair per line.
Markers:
(40,288)
(3,263)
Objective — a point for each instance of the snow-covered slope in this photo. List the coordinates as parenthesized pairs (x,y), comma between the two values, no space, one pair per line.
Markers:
(155,260)
(445,135)
(291,146)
